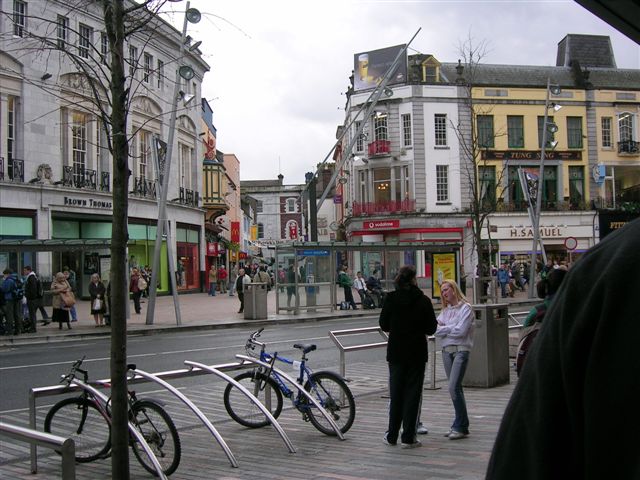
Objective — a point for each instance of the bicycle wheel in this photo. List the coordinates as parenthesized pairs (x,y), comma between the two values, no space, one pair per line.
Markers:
(243,410)
(160,433)
(79,419)
(336,398)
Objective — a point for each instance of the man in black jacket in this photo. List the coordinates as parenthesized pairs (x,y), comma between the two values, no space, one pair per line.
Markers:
(409,318)
(34,296)
(574,412)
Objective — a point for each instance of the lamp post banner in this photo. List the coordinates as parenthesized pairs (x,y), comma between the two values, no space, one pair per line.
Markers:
(161,155)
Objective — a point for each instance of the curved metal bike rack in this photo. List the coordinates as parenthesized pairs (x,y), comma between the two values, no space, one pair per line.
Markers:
(194,409)
(132,429)
(250,396)
(300,389)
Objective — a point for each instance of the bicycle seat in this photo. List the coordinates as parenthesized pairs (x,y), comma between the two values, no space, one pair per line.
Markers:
(305,347)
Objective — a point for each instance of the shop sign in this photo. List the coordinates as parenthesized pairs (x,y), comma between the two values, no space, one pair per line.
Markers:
(242,255)
(381,224)
(527,232)
(212,249)
(235,232)
(87,202)
(533,155)
(312,253)
(444,267)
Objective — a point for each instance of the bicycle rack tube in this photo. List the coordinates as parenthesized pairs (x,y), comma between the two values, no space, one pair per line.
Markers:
(250,396)
(132,429)
(194,409)
(300,389)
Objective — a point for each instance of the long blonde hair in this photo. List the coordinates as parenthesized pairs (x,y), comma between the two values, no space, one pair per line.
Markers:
(456,289)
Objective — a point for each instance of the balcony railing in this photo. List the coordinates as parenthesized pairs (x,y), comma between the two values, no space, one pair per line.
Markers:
(104,182)
(79,178)
(552,206)
(188,197)
(143,187)
(379,147)
(374,208)
(14,171)
(629,147)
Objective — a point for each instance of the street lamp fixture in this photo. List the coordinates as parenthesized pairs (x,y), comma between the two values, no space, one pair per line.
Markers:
(186,72)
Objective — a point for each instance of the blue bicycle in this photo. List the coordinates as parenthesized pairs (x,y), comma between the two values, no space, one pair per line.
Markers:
(328,388)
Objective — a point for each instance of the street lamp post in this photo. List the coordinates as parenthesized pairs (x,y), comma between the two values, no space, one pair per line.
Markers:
(191,15)
(546,126)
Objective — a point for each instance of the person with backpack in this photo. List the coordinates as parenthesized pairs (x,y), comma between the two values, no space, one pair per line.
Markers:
(11,289)
(34,294)
(547,289)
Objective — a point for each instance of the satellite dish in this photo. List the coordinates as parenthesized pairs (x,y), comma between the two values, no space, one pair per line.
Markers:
(334,226)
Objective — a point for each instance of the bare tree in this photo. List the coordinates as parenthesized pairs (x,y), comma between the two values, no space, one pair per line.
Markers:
(475,175)
(104,88)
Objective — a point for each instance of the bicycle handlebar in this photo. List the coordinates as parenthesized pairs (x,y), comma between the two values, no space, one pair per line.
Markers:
(72,373)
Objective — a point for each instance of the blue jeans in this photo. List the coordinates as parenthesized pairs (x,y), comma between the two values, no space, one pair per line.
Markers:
(455,366)
(212,289)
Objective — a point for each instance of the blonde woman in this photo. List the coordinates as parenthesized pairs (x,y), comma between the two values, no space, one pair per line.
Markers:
(97,292)
(455,331)
(60,310)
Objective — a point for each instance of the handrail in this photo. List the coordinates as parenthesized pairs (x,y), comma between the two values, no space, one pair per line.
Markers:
(193,408)
(300,388)
(66,445)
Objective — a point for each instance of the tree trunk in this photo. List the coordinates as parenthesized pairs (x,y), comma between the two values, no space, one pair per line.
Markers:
(114,21)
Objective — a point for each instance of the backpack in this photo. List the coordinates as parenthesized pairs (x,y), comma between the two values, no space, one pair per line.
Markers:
(142,283)
(527,339)
(18,293)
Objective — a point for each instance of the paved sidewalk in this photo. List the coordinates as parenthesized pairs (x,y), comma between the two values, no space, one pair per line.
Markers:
(197,311)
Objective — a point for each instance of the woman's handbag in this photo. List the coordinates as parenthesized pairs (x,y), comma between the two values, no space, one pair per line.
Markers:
(68,298)
(97,304)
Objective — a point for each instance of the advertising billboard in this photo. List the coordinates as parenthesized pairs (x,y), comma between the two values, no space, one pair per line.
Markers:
(369,67)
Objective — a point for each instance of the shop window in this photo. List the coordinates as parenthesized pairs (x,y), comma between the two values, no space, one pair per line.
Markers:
(518,201)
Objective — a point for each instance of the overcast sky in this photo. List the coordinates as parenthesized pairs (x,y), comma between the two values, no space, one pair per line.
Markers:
(279,68)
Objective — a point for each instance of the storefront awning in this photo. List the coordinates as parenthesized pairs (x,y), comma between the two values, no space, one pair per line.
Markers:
(34,245)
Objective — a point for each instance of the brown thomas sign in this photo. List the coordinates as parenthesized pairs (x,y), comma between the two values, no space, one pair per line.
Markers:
(530,155)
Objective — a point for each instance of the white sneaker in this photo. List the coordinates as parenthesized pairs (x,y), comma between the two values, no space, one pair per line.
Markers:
(421,430)
(453,435)
(415,444)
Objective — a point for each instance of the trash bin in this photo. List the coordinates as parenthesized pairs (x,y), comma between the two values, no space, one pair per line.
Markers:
(489,359)
(255,301)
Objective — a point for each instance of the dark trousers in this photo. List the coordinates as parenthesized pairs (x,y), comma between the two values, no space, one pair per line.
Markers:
(13,317)
(136,300)
(241,298)
(348,297)
(405,391)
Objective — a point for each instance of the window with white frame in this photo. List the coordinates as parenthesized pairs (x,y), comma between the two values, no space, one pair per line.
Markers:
(440,129)
(85,39)
(133,60)
(160,73)
(360,139)
(79,123)
(144,154)
(442,183)
(184,165)
(148,67)
(62,31)
(12,104)
(407,140)
(380,125)
(19,17)
(605,124)
(104,48)
(625,127)
(260,230)
(291,205)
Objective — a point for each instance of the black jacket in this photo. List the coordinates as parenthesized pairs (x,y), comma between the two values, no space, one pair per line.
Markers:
(31,288)
(408,316)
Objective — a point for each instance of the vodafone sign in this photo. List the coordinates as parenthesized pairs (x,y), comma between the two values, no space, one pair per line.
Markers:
(381,224)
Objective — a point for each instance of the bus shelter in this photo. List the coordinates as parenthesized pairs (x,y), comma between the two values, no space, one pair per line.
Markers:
(307,272)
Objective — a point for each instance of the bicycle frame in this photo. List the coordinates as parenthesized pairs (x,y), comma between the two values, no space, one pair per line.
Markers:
(303,371)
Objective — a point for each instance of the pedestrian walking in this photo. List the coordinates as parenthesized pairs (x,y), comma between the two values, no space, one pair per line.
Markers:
(241,285)
(134,288)
(70,275)
(34,294)
(455,331)
(222,279)
(61,311)
(213,280)
(233,275)
(573,412)
(408,316)
(97,293)
(12,305)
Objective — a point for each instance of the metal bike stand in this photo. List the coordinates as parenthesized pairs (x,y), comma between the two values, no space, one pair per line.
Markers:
(132,429)
(250,396)
(300,389)
(194,409)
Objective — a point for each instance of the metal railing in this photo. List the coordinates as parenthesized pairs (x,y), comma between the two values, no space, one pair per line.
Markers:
(66,446)
(342,349)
